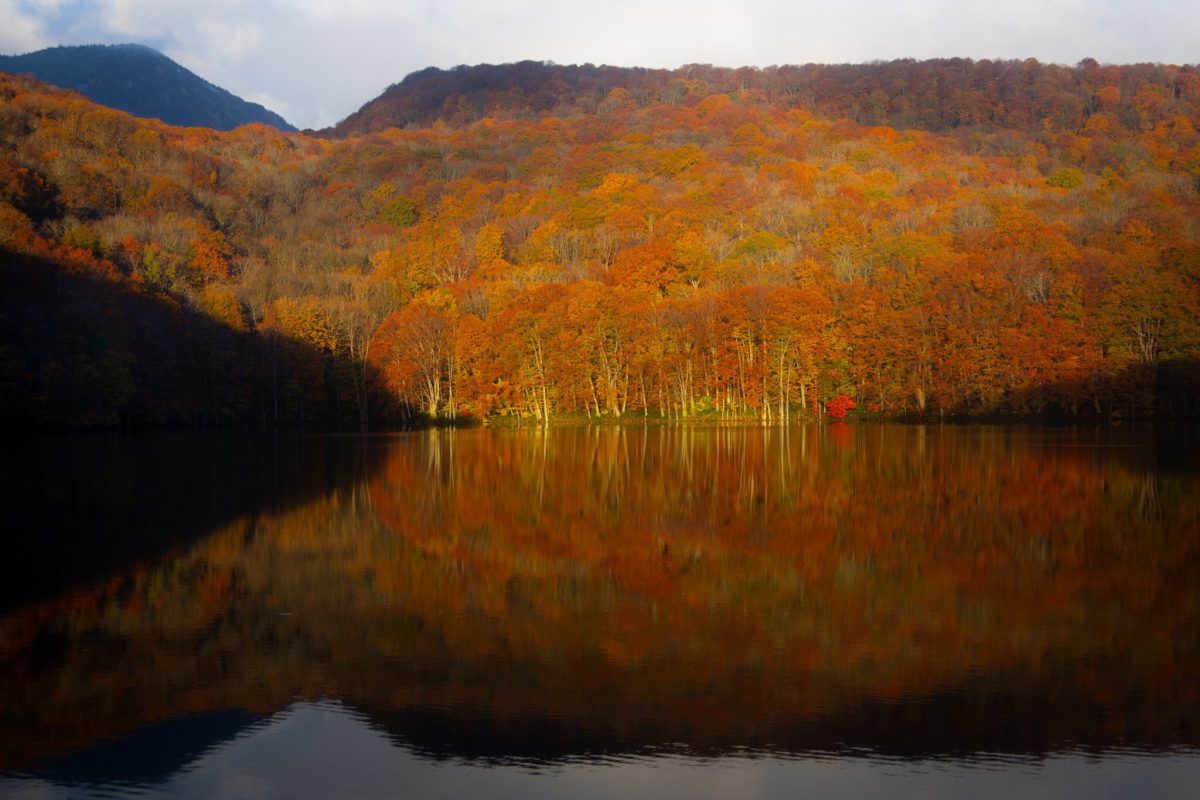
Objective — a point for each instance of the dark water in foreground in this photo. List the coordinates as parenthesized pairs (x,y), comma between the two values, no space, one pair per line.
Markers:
(849,611)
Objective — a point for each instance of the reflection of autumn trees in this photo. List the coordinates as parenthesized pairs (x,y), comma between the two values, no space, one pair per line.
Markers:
(792,510)
(713,586)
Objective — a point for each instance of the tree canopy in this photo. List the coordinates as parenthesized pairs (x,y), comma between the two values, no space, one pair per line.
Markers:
(946,237)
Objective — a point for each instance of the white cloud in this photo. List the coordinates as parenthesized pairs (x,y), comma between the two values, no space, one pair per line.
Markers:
(371,11)
(229,41)
(271,103)
(22,30)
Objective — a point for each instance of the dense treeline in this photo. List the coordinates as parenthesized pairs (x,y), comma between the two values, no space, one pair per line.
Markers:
(704,241)
(972,98)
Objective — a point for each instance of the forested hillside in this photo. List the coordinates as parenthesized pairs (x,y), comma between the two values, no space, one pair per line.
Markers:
(973,98)
(932,238)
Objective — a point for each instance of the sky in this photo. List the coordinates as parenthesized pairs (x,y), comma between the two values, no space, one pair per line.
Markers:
(317,61)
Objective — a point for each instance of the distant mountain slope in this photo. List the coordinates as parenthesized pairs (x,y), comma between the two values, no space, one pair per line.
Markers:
(466,93)
(941,95)
(144,82)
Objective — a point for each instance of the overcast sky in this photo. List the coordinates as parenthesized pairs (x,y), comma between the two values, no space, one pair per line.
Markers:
(316,61)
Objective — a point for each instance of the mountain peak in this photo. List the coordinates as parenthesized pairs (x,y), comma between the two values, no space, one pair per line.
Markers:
(144,82)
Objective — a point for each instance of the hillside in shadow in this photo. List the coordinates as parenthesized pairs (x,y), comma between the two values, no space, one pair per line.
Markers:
(1168,389)
(82,346)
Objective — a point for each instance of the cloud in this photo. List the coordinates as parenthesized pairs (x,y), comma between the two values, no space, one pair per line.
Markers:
(269,101)
(23,29)
(223,41)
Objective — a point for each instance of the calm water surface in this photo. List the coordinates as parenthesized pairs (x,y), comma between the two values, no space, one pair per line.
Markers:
(850,611)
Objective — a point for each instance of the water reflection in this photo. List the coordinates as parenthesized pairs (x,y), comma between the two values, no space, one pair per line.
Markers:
(87,508)
(325,749)
(690,595)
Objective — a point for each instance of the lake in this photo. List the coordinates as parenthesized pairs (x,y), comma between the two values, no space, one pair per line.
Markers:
(842,610)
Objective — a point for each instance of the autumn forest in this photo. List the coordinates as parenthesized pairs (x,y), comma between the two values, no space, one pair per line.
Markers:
(530,242)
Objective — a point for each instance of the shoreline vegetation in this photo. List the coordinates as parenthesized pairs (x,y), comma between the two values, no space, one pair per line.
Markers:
(929,240)
(419,422)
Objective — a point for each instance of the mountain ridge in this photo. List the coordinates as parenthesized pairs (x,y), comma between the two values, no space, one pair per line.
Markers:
(947,95)
(142,81)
